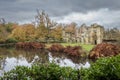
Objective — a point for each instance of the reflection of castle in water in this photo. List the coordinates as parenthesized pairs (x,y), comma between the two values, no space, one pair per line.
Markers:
(64,60)
(63,56)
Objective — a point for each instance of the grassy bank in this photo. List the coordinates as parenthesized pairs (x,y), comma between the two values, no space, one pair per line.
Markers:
(86,47)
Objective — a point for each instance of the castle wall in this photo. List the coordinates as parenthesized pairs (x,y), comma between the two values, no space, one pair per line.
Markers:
(87,35)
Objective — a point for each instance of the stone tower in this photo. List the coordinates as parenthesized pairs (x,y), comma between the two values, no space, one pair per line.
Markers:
(96,33)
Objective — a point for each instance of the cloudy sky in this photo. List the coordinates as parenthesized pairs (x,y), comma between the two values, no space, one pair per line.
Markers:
(104,12)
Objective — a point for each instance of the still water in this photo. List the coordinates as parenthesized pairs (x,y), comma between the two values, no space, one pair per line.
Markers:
(9,58)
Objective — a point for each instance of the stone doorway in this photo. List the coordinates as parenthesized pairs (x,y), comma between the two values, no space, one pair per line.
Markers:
(95,38)
(95,42)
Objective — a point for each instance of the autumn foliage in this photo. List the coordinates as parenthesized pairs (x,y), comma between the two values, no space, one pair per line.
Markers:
(69,50)
(56,48)
(104,50)
(30,45)
(74,51)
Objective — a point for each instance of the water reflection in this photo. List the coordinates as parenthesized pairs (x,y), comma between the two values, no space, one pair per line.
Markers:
(9,58)
(64,60)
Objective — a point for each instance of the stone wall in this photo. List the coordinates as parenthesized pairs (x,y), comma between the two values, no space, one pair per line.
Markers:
(96,34)
(86,34)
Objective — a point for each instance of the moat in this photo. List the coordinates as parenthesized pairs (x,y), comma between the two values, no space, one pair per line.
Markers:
(9,58)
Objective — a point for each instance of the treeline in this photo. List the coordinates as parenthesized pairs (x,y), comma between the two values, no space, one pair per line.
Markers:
(43,30)
(113,33)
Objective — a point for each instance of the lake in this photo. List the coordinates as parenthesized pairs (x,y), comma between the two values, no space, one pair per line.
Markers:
(11,57)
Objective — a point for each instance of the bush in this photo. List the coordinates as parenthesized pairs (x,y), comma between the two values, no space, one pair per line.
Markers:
(75,51)
(103,69)
(104,50)
(30,45)
(11,40)
(41,72)
(56,48)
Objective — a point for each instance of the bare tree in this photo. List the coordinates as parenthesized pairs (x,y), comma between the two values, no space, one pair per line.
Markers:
(2,21)
(43,19)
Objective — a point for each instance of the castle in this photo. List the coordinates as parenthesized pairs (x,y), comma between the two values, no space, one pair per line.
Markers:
(93,34)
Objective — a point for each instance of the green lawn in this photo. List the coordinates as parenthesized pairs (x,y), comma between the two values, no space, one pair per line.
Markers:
(87,47)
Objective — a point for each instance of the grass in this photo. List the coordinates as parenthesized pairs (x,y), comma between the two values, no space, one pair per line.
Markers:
(86,47)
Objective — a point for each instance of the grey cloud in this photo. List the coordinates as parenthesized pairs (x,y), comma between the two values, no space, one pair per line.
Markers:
(105,17)
(18,10)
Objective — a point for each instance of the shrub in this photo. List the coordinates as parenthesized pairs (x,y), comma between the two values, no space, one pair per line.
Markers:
(41,72)
(30,45)
(104,50)
(56,48)
(74,51)
(103,69)
(11,40)
(107,68)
